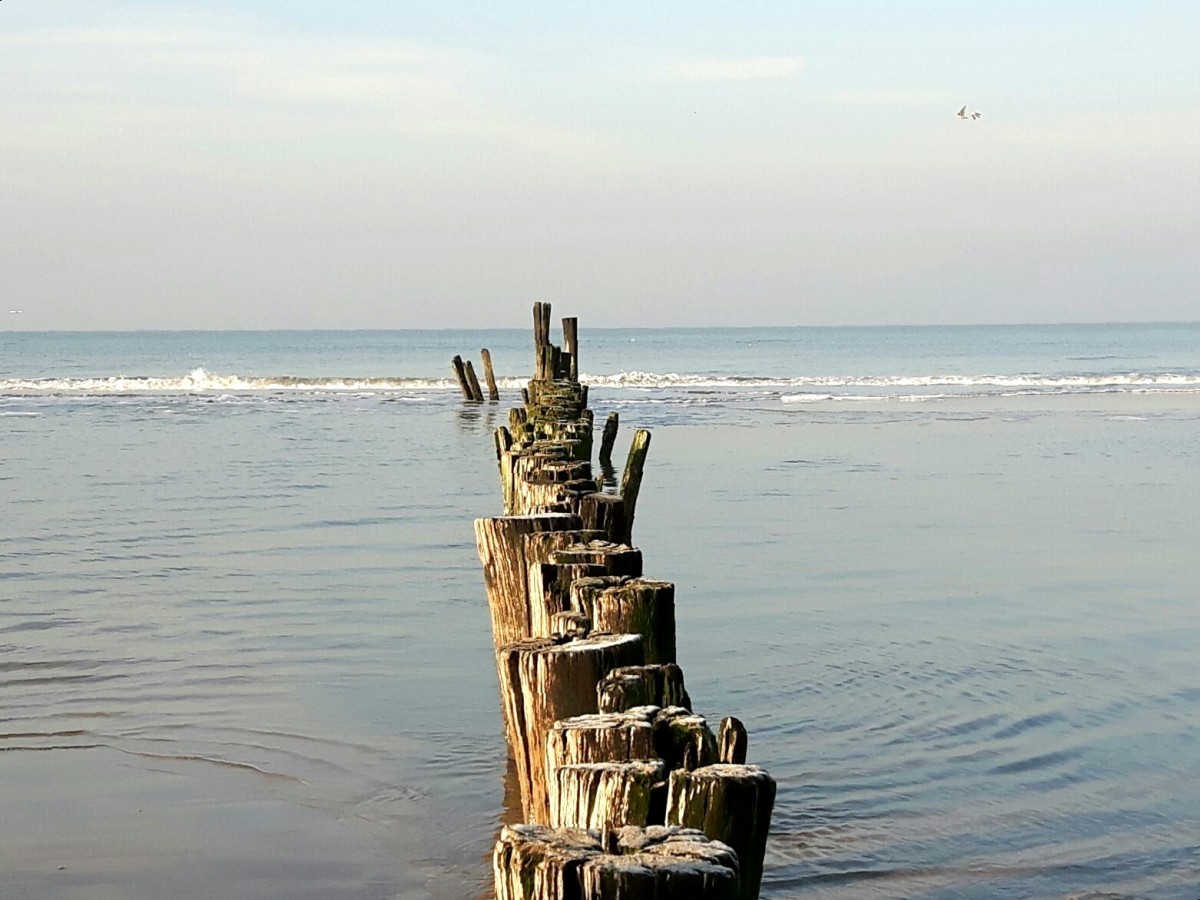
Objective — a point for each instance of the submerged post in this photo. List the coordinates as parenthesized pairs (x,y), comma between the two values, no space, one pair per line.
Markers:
(610,436)
(473,383)
(489,376)
(460,373)
(631,481)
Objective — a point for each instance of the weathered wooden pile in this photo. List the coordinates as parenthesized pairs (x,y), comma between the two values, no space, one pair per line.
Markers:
(468,381)
(626,791)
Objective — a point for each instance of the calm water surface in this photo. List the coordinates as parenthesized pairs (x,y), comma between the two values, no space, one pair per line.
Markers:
(947,577)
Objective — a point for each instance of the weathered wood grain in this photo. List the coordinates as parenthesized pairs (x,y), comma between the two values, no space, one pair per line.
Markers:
(501,544)
(602,737)
(606,795)
(640,606)
(570,624)
(543,680)
(649,685)
(732,741)
(585,589)
(606,557)
(532,862)
(604,512)
(729,803)
(684,739)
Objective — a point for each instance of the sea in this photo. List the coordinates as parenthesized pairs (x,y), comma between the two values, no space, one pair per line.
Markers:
(948,577)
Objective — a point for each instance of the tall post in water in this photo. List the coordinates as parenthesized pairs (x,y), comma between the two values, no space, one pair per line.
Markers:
(486,357)
(460,373)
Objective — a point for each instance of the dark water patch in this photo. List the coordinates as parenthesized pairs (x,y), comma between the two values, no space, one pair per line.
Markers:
(46,623)
(1036,763)
(1019,727)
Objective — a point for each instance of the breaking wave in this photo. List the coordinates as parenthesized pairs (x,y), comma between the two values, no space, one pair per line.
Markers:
(814,386)
(200,380)
(1069,381)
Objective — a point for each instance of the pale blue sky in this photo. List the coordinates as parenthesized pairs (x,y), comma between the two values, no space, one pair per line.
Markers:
(424,164)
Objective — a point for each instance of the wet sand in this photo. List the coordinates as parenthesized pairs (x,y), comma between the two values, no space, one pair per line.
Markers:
(101,824)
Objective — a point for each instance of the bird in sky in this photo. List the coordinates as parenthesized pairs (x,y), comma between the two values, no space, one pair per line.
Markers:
(975,114)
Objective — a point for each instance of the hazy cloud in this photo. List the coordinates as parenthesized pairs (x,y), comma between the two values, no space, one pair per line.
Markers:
(760,67)
(246,84)
(886,97)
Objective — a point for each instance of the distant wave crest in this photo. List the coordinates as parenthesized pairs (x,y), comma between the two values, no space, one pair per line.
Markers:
(1084,381)
(201,380)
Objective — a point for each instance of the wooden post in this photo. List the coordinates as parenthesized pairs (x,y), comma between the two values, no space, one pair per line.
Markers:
(502,550)
(732,741)
(532,862)
(602,737)
(610,435)
(607,795)
(570,327)
(649,685)
(570,625)
(604,512)
(584,591)
(545,323)
(684,739)
(542,681)
(460,373)
(489,376)
(644,607)
(541,324)
(612,559)
(541,482)
(729,803)
(504,442)
(549,585)
(631,481)
(473,382)
(581,563)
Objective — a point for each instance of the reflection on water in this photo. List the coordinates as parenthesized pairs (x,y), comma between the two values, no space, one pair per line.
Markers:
(608,473)
(962,639)
(474,418)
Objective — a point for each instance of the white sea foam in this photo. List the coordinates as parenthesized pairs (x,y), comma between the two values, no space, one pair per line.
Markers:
(638,379)
(815,387)
(200,380)
(807,398)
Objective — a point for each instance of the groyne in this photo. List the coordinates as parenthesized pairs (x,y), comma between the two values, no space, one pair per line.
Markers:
(625,790)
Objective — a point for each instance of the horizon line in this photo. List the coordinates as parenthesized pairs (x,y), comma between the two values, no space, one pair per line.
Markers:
(1058,324)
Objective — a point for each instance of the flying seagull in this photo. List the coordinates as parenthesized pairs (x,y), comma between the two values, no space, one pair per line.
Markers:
(963,114)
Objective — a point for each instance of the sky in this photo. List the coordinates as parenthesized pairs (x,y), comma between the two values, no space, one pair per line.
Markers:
(436,163)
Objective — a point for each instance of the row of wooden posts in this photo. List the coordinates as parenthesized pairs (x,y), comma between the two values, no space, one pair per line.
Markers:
(625,790)
(468,381)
